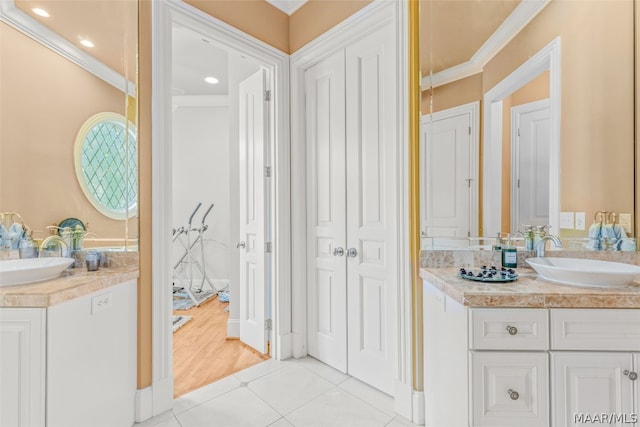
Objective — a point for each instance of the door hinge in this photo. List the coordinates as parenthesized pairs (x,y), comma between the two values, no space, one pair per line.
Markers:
(518,131)
(267,95)
(518,183)
(469,130)
(267,325)
(267,171)
(267,247)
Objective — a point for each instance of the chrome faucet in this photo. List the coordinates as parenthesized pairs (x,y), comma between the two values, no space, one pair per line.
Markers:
(540,246)
(65,250)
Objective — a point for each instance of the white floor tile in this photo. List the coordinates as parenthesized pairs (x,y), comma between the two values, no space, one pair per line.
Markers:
(373,396)
(289,388)
(165,419)
(281,423)
(400,421)
(261,369)
(237,408)
(338,408)
(325,371)
(204,394)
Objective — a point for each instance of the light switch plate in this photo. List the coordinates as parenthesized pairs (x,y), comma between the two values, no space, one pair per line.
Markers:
(566,220)
(625,222)
(580,221)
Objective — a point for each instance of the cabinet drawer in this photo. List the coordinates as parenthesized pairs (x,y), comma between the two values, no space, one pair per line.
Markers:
(508,329)
(597,329)
(509,389)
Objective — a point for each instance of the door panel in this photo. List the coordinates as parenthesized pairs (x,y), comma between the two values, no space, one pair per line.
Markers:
(371,208)
(252,140)
(326,272)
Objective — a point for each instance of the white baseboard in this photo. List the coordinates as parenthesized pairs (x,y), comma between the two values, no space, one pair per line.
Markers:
(403,402)
(285,346)
(233,328)
(162,393)
(144,404)
(418,408)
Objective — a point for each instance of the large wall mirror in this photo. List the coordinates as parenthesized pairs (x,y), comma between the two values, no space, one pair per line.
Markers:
(63,63)
(528,116)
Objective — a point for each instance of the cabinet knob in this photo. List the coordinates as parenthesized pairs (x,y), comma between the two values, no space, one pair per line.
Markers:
(514,395)
(352,252)
(512,330)
(338,251)
(632,375)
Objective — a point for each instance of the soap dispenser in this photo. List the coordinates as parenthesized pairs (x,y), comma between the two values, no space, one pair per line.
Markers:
(509,254)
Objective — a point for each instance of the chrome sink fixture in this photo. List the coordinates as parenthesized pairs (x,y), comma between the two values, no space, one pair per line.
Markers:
(584,272)
(30,270)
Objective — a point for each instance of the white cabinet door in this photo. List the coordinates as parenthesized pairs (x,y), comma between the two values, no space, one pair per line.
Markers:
(326,205)
(509,389)
(585,384)
(372,182)
(22,367)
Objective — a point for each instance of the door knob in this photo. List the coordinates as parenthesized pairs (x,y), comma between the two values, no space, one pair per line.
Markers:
(352,252)
(632,375)
(514,395)
(241,245)
(338,251)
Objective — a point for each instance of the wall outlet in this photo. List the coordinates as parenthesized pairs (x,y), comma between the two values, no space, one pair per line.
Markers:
(101,302)
(625,221)
(580,221)
(566,220)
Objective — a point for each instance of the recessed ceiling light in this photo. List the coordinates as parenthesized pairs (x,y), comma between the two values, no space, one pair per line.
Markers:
(40,12)
(211,80)
(87,43)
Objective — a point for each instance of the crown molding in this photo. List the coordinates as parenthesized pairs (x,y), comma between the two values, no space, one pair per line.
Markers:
(515,22)
(287,6)
(24,23)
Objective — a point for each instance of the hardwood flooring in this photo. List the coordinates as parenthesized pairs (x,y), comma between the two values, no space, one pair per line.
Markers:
(202,353)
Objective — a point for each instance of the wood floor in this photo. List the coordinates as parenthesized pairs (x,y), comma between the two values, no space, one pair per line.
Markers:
(202,353)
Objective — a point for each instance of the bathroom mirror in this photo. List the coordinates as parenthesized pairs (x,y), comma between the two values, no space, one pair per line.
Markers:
(559,68)
(63,62)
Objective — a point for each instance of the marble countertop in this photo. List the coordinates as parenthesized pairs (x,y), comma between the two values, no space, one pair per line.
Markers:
(529,291)
(71,284)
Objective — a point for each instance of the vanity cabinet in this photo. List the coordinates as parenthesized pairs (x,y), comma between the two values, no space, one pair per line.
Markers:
(528,366)
(70,364)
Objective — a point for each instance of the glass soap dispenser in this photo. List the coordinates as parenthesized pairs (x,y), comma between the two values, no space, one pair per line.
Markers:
(509,254)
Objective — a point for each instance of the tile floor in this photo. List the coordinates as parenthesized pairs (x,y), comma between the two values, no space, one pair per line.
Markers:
(295,392)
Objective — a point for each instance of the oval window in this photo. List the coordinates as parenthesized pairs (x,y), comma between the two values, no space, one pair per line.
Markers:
(106,164)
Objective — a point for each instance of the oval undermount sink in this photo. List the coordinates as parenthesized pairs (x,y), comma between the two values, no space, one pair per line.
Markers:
(584,272)
(30,270)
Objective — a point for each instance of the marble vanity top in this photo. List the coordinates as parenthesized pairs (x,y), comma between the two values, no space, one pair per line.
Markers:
(529,291)
(71,284)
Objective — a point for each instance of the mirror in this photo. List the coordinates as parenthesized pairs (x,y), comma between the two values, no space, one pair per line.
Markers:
(62,63)
(559,72)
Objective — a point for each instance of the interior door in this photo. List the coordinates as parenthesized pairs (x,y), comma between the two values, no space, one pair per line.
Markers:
(326,266)
(253,138)
(372,182)
(530,183)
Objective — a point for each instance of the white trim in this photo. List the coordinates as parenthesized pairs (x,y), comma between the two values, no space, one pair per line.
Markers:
(516,113)
(287,6)
(473,110)
(24,23)
(165,13)
(548,58)
(515,22)
(200,101)
(233,328)
(144,404)
(364,22)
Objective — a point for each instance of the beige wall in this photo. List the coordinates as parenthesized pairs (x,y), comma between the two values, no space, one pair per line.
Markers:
(460,92)
(45,99)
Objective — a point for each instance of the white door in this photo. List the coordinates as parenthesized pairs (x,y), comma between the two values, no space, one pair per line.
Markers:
(326,227)
(253,189)
(530,164)
(372,182)
(447,177)
(590,383)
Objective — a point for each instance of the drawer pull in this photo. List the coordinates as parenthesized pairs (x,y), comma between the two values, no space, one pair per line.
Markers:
(512,330)
(632,375)
(514,395)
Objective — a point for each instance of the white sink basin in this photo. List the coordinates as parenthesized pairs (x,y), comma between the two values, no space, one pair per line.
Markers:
(584,272)
(29,270)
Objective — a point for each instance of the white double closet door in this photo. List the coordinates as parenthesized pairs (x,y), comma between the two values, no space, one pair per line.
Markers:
(352,181)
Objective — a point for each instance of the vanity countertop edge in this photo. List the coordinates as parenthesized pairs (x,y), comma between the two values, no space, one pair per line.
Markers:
(529,292)
(71,284)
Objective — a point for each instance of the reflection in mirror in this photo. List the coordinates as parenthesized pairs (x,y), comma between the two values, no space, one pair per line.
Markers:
(554,84)
(59,68)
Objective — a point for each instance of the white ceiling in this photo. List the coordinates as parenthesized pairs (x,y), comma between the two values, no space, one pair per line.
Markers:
(194,58)
(288,6)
